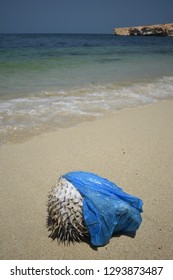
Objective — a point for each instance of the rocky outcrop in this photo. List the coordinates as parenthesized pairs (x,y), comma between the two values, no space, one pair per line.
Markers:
(146,30)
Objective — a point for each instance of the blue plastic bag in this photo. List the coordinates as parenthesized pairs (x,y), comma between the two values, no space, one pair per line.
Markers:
(107,209)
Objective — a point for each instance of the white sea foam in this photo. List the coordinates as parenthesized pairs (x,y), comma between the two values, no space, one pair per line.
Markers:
(52,110)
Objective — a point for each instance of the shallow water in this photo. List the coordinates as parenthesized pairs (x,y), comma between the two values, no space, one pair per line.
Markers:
(49,81)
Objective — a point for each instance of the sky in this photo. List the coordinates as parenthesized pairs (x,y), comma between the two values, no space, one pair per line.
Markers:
(80,16)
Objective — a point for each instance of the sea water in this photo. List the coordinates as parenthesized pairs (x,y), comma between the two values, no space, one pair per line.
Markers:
(52,81)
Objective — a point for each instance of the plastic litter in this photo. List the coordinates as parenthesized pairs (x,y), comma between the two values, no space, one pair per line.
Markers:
(107,209)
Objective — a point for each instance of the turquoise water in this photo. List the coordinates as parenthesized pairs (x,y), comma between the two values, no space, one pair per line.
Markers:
(49,81)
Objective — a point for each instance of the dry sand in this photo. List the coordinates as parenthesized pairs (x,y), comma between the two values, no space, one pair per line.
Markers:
(133,148)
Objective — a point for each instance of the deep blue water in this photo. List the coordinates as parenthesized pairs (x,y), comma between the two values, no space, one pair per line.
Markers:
(49,81)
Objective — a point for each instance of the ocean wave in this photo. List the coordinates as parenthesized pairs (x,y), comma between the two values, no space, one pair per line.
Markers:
(52,110)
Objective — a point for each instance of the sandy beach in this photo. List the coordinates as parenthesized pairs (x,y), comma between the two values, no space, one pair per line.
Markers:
(132,147)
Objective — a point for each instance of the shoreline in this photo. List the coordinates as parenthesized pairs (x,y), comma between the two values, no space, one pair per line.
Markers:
(132,147)
(28,134)
(51,111)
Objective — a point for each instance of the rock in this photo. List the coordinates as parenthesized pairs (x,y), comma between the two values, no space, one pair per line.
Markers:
(146,30)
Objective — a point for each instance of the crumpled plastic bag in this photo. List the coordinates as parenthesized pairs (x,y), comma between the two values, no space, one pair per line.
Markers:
(107,209)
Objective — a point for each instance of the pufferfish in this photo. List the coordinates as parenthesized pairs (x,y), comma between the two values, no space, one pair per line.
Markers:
(83,204)
(65,216)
